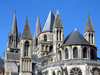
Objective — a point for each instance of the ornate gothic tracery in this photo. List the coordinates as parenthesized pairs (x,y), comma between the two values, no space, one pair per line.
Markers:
(75,71)
(96,71)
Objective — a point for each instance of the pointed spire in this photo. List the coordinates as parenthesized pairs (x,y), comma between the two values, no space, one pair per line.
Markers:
(48,25)
(57,21)
(26,34)
(14,25)
(37,28)
(19,33)
(89,26)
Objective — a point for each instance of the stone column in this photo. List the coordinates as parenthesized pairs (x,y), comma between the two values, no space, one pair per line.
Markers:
(93,39)
(90,38)
(61,34)
(70,52)
(55,37)
(22,50)
(81,52)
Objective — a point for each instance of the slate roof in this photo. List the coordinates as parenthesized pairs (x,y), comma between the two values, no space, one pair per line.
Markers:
(1,63)
(48,25)
(89,26)
(14,73)
(57,21)
(35,57)
(14,25)
(37,28)
(75,38)
(13,56)
(16,56)
(26,34)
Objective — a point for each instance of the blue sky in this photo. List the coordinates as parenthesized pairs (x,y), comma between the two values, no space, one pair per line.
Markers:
(73,14)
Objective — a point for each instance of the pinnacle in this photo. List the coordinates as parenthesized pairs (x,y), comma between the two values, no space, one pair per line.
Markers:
(14,25)
(38,28)
(89,26)
(26,34)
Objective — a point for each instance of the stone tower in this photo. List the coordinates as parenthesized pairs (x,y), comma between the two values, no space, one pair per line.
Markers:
(12,40)
(57,33)
(89,32)
(26,47)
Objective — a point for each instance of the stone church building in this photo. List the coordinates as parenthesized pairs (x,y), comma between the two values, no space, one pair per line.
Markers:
(48,52)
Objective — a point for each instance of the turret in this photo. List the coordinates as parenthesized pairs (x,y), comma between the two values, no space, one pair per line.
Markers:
(13,35)
(89,32)
(25,48)
(57,32)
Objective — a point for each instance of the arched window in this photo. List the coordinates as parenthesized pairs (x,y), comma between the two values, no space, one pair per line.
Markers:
(59,55)
(54,73)
(96,71)
(75,52)
(92,54)
(60,34)
(84,53)
(57,34)
(26,48)
(92,38)
(51,47)
(45,37)
(89,37)
(66,53)
(75,71)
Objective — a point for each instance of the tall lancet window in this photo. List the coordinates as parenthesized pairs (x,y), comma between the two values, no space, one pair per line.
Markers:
(60,34)
(92,38)
(84,53)
(57,34)
(89,37)
(54,73)
(59,55)
(75,52)
(45,37)
(26,48)
(66,54)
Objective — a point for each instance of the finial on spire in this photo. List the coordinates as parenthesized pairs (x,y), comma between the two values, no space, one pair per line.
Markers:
(88,13)
(26,16)
(15,11)
(75,29)
(50,7)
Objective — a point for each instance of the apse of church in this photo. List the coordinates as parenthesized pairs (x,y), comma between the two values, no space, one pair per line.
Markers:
(48,52)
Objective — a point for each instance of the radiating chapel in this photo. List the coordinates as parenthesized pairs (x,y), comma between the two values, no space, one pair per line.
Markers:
(48,52)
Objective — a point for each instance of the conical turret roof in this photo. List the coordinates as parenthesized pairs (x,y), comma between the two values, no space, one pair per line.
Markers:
(48,25)
(26,34)
(37,28)
(89,26)
(14,25)
(75,38)
(57,21)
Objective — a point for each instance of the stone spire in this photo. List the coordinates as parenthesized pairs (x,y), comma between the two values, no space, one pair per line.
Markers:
(14,25)
(48,25)
(26,34)
(57,21)
(37,28)
(89,26)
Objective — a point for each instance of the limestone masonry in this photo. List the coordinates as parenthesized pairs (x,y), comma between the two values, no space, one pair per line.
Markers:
(48,52)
